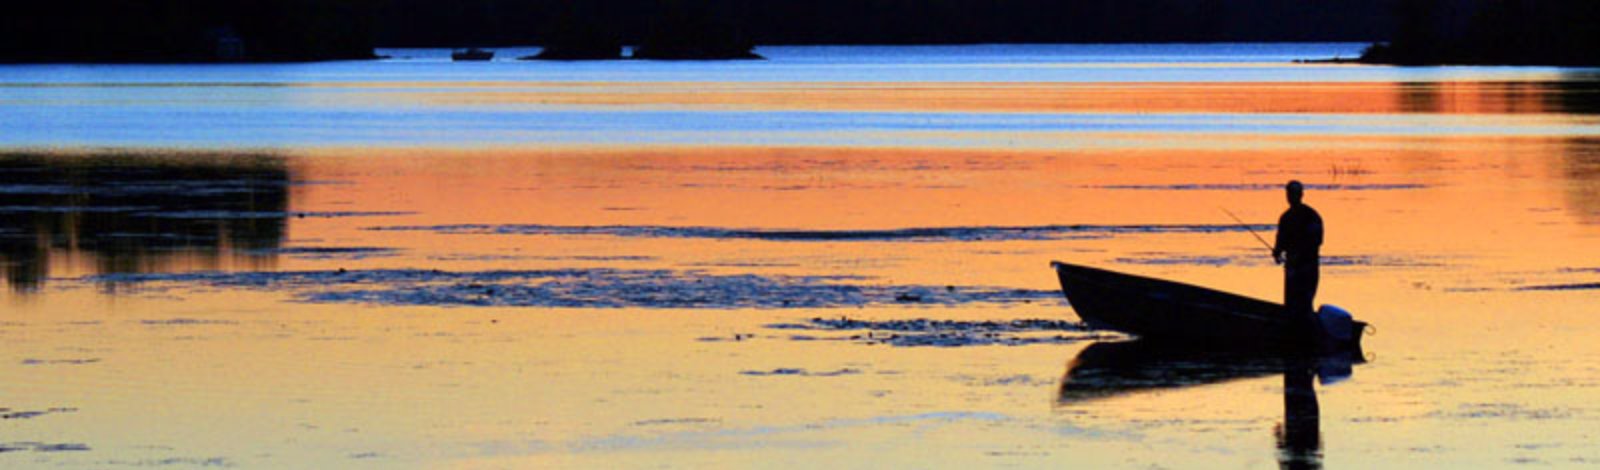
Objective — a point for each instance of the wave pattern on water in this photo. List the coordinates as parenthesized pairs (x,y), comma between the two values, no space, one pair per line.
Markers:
(916,234)
(922,332)
(585,288)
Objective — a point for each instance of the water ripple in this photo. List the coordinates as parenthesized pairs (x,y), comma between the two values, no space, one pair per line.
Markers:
(914,234)
(584,288)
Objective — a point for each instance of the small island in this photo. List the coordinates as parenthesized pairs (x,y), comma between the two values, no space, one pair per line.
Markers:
(578,50)
(676,31)
(695,34)
(580,31)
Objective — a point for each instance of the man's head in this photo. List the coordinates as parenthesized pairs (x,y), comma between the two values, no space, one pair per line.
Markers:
(1295,191)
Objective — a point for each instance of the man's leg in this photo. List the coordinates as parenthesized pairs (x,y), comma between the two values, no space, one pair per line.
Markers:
(1300,291)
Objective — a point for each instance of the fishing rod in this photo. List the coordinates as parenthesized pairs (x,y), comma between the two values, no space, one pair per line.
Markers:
(1247,228)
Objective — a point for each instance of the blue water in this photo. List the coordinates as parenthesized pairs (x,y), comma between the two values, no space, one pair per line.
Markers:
(965,63)
(378,103)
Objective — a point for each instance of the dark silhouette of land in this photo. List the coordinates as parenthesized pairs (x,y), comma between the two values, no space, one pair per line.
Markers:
(687,30)
(187,30)
(677,30)
(297,30)
(434,23)
(1556,32)
(1491,32)
(580,31)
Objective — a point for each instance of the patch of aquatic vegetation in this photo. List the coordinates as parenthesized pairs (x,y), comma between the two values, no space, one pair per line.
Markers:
(925,332)
(206,462)
(160,213)
(185,322)
(1263,259)
(53,362)
(915,234)
(234,214)
(1480,411)
(1262,187)
(1566,279)
(1562,287)
(7,413)
(581,288)
(514,257)
(801,372)
(327,252)
(41,447)
(769,435)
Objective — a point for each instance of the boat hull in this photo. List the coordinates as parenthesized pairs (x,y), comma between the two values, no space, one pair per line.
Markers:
(1173,312)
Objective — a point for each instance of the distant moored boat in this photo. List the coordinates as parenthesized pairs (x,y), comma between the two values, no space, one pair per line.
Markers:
(472,54)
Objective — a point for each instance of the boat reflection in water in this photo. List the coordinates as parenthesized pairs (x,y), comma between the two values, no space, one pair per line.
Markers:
(1118,368)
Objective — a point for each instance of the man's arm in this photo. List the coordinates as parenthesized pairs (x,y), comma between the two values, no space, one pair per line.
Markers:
(1316,230)
(1277,243)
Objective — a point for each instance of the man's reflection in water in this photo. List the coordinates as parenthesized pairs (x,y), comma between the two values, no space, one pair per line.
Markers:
(1300,434)
(1109,369)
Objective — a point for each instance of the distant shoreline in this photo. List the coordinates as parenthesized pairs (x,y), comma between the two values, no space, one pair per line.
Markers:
(1386,54)
(1375,54)
(192,61)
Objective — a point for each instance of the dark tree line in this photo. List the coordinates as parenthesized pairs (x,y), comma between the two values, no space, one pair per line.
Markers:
(504,22)
(1419,31)
(1511,32)
(280,30)
(186,30)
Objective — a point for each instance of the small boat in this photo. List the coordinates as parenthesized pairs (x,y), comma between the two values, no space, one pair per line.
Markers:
(1177,313)
(472,54)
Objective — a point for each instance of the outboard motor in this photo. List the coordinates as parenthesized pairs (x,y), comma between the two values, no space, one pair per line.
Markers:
(1337,323)
(1339,329)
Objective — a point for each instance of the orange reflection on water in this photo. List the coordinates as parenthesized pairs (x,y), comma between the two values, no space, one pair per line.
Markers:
(1463,97)
(1441,184)
(1441,230)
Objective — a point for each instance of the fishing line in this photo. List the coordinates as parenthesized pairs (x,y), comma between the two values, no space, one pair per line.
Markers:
(1247,228)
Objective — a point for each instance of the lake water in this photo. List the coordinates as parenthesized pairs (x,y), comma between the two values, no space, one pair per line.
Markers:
(835,257)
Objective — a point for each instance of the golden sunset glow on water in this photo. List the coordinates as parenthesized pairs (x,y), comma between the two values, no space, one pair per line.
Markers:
(1457,97)
(662,296)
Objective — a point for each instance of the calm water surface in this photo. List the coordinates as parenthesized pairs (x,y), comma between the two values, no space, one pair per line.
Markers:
(835,257)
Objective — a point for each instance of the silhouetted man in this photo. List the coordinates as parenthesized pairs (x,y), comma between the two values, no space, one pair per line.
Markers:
(1298,249)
